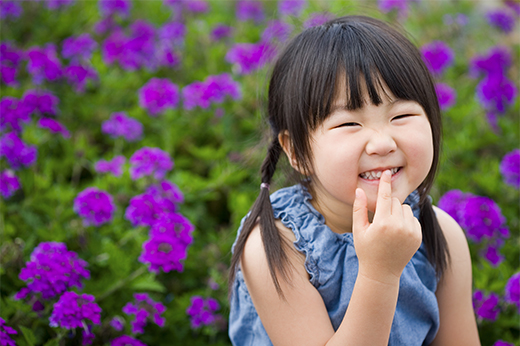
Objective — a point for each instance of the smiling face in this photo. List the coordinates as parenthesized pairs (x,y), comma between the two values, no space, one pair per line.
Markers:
(351,148)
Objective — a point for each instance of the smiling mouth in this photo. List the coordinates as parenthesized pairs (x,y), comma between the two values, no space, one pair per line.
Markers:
(375,175)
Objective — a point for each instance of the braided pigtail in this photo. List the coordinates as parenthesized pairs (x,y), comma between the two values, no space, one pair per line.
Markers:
(262,212)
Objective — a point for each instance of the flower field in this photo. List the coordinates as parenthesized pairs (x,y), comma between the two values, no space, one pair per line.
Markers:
(131,138)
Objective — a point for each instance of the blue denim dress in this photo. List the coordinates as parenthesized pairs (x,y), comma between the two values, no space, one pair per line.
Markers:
(332,264)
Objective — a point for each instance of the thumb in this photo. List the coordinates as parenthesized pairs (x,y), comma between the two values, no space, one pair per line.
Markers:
(360,212)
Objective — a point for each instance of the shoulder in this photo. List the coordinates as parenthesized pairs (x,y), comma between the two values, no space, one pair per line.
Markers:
(455,237)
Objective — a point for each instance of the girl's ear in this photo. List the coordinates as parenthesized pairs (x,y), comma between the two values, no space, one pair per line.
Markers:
(286,143)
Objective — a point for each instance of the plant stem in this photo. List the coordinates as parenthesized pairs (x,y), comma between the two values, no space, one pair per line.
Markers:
(122,283)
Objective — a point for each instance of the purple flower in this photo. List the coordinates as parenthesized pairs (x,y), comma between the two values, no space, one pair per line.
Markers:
(95,206)
(249,10)
(317,19)
(77,75)
(150,207)
(513,5)
(486,307)
(202,311)
(121,125)
(52,270)
(55,4)
(510,168)
(248,57)
(221,31)
(196,6)
(10,59)
(126,340)
(132,52)
(512,290)
(446,95)
(5,331)
(496,92)
(150,161)
(42,101)
(9,183)
(10,9)
(166,190)
(114,166)
(453,202)
(291,7)
(16,151)
(495,62)
(78,48)
(87,337)
(173,32)
(502,343)
(213,90)
(13,114)
(501,18)
(401,6)
(482,218)
(277,30)
(144,309)
(437,56)
(168,243)
(117,323)
(43,64)
(111,7)
(54,126)
(158,95)
(492,254)
(73,310)
(106,25)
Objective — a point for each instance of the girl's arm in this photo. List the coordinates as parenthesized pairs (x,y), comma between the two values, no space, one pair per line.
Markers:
(300,317)
(454,293)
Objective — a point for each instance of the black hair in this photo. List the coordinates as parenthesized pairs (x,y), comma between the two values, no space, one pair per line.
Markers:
(304,83)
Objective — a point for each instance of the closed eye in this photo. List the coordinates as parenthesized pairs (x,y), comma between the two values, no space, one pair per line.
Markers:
(402,116)
(348,124)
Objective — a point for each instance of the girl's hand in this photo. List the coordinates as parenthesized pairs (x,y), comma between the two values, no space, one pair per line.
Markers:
(386,245)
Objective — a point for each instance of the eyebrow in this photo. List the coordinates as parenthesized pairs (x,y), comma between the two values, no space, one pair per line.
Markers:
(336,107)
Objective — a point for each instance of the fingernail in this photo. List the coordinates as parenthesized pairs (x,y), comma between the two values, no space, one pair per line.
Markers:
(358,193)
(388,173)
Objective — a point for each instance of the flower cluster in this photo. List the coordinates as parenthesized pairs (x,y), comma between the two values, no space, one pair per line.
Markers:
(10,59)
(510,168)
(213,90)
(121,125)
(78,48)
(438,56)
(158,95)
(145,309)
(401,6)
(44,64)
(495,91)
(221,31)
(317,19)
(170,238)
(145,46)
(52,270)
(109,8)
(512,290)
(446,95)
(73,310)
(481,218)
(250,10)
(486,306)
(501,18)
(150,161)
(95,206)
(10,9)
(126,340)
(9,183)
(5,331)
(502,343)
(291,7)
(248,57)
(54,126)
(114,166)
(42,102)
(14,114)
(16,152)
(202,311)
(277,31)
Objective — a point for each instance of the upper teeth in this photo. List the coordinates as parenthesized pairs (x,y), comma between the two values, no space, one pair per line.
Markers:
(372,175)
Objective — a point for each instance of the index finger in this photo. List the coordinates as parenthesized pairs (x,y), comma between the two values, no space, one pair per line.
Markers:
(384,195)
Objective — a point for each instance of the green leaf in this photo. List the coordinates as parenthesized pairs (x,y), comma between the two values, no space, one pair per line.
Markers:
(29,336)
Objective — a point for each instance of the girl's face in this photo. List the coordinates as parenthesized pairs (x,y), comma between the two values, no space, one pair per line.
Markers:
(352,148)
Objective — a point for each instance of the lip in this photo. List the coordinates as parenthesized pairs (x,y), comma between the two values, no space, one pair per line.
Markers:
(376,181)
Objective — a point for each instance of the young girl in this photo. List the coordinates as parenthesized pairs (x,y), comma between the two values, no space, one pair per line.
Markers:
(355,254)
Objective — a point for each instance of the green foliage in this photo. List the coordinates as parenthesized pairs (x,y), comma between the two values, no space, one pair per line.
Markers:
(217,161)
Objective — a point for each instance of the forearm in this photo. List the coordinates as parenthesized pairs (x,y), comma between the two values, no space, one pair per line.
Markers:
(370,313)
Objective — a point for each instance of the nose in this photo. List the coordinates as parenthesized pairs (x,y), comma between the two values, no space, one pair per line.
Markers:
(381,144)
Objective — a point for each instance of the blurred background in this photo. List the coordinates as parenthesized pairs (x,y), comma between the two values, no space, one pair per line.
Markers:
(131,137)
